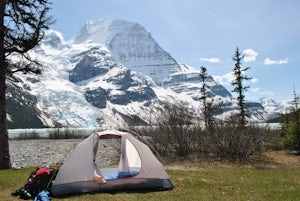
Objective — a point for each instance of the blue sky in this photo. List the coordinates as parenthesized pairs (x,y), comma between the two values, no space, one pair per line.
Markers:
(207,32)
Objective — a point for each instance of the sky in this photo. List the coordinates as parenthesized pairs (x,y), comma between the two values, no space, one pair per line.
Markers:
(207,33)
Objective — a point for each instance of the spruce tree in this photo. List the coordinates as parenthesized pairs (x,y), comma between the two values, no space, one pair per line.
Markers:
(295,124)
(239,88)
(22,28)
(208,109)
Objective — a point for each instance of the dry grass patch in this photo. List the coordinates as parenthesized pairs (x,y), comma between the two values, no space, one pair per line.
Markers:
(284,158)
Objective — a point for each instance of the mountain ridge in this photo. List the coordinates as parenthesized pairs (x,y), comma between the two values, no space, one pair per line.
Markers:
(112,72)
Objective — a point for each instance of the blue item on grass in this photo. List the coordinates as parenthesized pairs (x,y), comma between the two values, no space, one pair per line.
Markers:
(42,196)
(120,175)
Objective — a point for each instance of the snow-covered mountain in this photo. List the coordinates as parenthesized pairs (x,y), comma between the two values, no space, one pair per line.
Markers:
(131,45)
(113,73)
(272,106)
(274,109)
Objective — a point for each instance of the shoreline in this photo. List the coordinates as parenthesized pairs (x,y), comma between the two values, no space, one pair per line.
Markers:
(33,153)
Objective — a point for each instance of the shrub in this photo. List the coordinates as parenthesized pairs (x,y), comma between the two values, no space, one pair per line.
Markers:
(176,135)
(237,143)
(64,134)
(28,136)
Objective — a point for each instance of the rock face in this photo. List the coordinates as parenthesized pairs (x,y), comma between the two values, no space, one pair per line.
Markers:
(22,108)
(137,50)
(107,82)
(97,97)
(187,82)
(112,73)
(87,68)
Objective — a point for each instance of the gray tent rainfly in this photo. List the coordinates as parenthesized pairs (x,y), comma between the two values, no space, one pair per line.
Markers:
(138,168)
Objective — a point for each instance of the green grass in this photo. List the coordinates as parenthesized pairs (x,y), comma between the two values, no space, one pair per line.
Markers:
(211,183)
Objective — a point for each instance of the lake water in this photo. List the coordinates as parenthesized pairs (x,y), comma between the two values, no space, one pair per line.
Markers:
(44,132)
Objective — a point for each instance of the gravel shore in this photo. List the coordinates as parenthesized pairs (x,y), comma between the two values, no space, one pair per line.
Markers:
(30,153)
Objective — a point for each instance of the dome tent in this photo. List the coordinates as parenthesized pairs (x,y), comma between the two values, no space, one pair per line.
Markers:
(138,168)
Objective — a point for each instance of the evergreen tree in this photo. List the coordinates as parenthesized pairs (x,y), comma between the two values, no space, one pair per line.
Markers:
(208,110)
(239,88)
(293,126)
(22,28)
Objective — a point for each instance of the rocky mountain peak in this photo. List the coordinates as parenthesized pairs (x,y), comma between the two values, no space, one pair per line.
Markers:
(130,44)
(101,31)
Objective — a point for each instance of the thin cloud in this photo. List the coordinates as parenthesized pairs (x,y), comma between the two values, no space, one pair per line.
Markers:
(258,90)
(228,78)
(255,90)
(250,55)
(269,61)
(254,80)
(267,93)
(224,79)
(211,60)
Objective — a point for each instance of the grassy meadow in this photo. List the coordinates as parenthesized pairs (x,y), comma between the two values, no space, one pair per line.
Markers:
(275,180)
